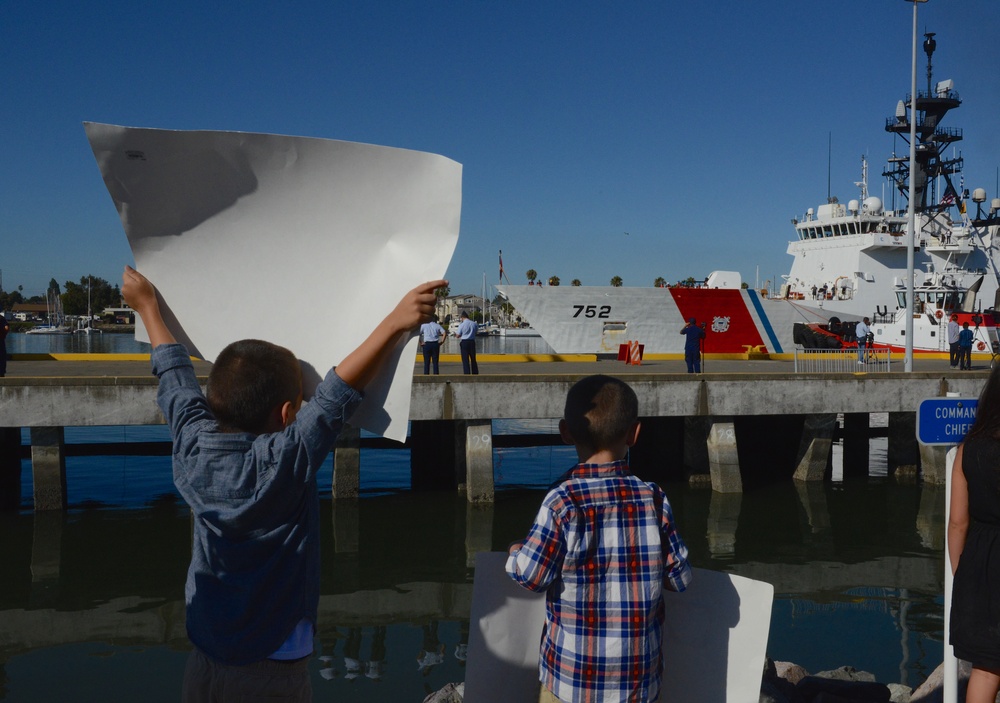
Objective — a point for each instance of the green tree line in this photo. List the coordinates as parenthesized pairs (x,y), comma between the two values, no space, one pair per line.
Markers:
(72,295)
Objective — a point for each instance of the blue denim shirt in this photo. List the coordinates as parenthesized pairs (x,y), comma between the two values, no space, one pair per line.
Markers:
(254,572)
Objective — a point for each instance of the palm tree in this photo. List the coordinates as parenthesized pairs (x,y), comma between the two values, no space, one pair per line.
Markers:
(616,281)
(553,280)
(532,274)
(660,282)
(441,294)
(575,282)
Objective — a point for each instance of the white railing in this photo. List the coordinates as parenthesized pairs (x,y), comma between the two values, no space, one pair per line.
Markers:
(841,361)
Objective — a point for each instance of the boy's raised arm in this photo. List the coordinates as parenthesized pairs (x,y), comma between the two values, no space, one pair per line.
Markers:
(362,364)
(140,295)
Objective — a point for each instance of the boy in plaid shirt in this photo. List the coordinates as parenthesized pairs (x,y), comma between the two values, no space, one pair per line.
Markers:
(603,547)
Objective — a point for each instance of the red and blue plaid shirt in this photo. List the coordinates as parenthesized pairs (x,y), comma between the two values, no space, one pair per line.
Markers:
(603,546)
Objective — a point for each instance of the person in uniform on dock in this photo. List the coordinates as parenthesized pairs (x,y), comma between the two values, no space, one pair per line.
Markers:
(467,330)
(861,332)
(604,616)
(692,345)
(953,351)
(965,348)
(974,546)
(245,459)
(431,336)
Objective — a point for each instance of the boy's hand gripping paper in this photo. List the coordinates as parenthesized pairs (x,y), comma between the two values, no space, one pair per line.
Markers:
(307,243)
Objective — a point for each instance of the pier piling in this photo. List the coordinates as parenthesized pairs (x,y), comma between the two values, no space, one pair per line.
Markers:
(658,453)
(347,463)
(723,457)
(48,467)
(815,447)
(436,455)
(903,448)
(857,445)
(479,461)
(10,468)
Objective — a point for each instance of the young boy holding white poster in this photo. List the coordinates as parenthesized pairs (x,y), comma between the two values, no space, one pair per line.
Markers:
(245,458)
(603,546)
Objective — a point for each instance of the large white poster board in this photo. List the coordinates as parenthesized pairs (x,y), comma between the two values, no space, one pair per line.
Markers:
(307,243)
(715,637)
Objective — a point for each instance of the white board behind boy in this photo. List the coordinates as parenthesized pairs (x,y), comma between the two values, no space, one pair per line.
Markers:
(307,243)
(715,638)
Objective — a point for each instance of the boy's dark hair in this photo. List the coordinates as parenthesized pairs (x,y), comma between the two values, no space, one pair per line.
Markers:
(248,380)
(599,411)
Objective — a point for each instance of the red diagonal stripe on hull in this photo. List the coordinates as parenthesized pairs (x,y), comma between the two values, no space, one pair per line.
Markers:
(707,304)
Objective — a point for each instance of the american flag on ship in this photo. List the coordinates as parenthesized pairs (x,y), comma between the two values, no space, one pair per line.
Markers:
(950,196)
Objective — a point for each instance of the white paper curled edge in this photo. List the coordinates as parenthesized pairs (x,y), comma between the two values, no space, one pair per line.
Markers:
(304,242)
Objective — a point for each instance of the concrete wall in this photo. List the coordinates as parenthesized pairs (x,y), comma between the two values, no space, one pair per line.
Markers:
(67,402)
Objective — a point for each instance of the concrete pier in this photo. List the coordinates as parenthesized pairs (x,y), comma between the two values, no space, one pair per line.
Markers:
(745,424)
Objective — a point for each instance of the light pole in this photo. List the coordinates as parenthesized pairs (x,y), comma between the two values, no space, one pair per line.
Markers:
(911,227)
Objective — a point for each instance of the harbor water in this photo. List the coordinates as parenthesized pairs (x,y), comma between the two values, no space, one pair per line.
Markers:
(126,344)
(91,601)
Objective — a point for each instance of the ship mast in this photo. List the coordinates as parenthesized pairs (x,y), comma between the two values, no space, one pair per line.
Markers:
(928,108)
(863,183)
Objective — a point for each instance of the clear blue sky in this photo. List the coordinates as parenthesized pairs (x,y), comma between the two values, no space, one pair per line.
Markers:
(700,129)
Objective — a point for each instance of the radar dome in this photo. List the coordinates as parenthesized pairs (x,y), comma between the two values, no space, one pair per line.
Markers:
(873,205)
(852,205)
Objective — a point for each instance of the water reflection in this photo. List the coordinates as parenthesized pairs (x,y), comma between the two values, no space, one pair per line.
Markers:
(857,570)
(108,343)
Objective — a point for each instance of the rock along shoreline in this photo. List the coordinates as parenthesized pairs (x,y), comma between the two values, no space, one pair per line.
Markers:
(785,682)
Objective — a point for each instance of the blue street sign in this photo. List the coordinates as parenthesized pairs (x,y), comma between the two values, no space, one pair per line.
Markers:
(945,420)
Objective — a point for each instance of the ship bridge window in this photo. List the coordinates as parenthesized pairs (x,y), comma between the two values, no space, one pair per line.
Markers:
(938,299)
(828,231)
